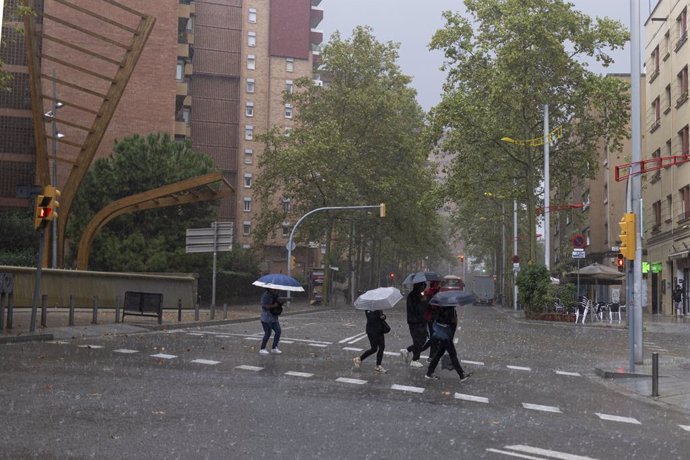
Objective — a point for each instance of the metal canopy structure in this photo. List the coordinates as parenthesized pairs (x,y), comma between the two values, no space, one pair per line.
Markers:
(89,92)
(187,191)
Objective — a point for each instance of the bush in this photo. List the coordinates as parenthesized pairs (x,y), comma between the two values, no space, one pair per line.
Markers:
(534,283)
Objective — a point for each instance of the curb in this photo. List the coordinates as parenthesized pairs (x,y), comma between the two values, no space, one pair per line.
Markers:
(25,338)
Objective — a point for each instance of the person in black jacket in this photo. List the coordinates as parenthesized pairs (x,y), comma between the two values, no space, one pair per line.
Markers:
(417,325)
(375,332)
(448,320)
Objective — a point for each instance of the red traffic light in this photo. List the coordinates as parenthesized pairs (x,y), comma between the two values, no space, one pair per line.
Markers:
(392,275)
(620,262)
(44,213)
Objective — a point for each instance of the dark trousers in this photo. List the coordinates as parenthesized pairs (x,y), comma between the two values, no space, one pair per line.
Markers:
(443,346)
(433,344)
(378,345)
(268,327)
(420,335)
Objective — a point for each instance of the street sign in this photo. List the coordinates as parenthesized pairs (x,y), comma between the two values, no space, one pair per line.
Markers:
(290,247)
(516,267)
(218,238)
(578,253)
(579,241)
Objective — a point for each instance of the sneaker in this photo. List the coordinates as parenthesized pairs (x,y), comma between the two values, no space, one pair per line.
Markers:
(431,377)
(276,351)
(405,355)
(465,377)
(358,361)
(263,351)
(416,364)
(380,370)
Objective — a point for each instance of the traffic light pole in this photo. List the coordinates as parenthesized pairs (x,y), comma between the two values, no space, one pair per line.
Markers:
(37,282)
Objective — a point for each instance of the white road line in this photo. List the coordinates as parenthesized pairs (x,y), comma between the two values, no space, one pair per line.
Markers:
(163,356)
(299,374)
(513,454)
(571,374)
(223,336)
(464,397)
(318,345)
(352,349)
(244,367)
(195,333)
(206,361)
(286,341)
(357,340)
(90,346)
(618,418)
(539,407)
(546,453)
(685,427)
(520,368)
(353,381)
(407,388)
(125,351)
(354,336)
(253,338)
(476,363)
(391,353)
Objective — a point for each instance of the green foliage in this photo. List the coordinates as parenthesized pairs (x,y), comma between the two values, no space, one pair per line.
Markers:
(565,292)
(534,283)
(18,240)
(504,63)
(151,240)
(236,271)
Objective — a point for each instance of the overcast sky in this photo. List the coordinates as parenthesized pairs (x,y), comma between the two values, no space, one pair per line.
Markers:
(411,23)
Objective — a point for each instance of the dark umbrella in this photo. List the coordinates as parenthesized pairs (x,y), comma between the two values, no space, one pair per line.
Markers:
(421,277)
(452,299)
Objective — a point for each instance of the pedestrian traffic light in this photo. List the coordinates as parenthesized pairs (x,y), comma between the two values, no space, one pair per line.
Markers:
(392,276)
(628,235)
(52,194)
(620,262)
(382,210)
(41,211)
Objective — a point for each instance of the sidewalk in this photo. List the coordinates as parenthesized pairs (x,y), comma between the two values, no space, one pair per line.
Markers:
(57,321)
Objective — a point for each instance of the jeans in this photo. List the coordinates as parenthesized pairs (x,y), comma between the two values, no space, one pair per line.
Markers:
(268,327)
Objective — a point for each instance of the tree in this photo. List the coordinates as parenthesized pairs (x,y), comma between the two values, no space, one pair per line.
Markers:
(504,64)
(356,141)
(152,240)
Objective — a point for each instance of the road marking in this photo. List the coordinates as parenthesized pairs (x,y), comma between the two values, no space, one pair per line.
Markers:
(195,333)
(59,342)
(571,374)
(520,368)
(223,336)
(90,346)
(464,397)
(538,451)
(206,361)
(476,363)
(407,388)
(244,367)
(353,381)
(352,349)
(618,418)
(539,407)
(286,341)
(391,353)
(685,427)
(362,334)
(253,338)
(318,345)
(125,351)
(163,356)
(299,374)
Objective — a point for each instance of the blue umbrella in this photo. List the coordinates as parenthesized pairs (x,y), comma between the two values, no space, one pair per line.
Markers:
(452,299)
(279,281)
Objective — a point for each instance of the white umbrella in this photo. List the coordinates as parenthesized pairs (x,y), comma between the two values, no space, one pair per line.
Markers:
(378,299)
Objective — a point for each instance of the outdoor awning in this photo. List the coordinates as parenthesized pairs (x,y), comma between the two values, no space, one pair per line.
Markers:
(679,254)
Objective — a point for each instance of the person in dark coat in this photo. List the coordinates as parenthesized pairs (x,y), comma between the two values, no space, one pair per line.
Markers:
(375,332)
(430,313)
(417,324)
(448,319)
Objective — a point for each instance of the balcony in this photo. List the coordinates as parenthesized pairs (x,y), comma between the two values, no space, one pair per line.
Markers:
(682,98)
(681,40)
(653,75)
(655,125)
(683,216)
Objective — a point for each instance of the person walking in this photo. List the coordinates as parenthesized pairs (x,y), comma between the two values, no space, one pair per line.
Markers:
(678,300)
(376,328)
(444,331)
(271,308)
(430,313)
(417,324)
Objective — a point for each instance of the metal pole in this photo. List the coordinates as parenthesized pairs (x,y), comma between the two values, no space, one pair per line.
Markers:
(655,374)
(54,223)
(515,251)
(44,310)
(215,249)
(503,254)
(37,282)
(70,316)
(547,198)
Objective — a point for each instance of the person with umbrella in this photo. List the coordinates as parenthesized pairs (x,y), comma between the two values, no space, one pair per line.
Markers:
(373,302)
(271,307)
(443,332)
(430,312)
(417,325)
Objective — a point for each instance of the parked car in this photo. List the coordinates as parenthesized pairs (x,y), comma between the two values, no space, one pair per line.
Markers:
(452,283)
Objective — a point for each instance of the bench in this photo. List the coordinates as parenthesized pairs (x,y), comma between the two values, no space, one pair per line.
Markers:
(143,304)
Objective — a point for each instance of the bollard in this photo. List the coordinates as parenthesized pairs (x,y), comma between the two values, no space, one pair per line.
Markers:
(117,309)
(10,311)
(70,321)
(2,312)
(225,311)
(196,312)
(44,310)
(213,311)
(179,310)
(655,374)
(95,310)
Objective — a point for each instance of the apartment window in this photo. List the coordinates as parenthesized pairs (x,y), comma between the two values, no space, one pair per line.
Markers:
(286,229)
(251,39)
(656,108)
(248,156)
(186,112)
(247,204)
(682,23)
(247,227)
(288,86)
(656,207)
(249,109)
(247,180)
(683,140)
(179,71)
(667,44)
(248,133)
(669,148)
(252,16)
(286,204)
(667,99)
(289,64)
(251,62)
(190,24)
(669,205)
(682,80)
(250,86)
(288,110)
(654,64)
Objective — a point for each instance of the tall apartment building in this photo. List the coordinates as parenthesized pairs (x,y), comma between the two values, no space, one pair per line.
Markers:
(666,191)
(212,71)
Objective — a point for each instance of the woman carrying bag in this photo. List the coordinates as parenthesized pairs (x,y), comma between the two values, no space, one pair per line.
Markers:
(376,328)
(443,332)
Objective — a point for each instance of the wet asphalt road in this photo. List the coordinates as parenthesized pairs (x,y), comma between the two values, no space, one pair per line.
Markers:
(207,393)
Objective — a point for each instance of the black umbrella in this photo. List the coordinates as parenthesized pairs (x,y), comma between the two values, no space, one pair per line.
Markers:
(452,299)
(421,277)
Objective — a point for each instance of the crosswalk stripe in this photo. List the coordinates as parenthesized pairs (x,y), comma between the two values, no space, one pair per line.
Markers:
(407,388)
(163,356)
(539,407)
(476,363)
(519,368)
(90,346)
(299,374)
(546,452)
(210,362)
(249,368)
(571,374)
(465,397)
(352,349)
(125,351)
(317,345)
(617,418)
(353,381)
(685,427)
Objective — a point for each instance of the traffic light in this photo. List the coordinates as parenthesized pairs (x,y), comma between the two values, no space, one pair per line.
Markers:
(620,263)
(392,276)
(53,194)
(41,211)
(628,235)
(462,258)
(293,262)
(382,210)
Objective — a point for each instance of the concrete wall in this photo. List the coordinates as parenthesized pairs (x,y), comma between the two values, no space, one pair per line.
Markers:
(84,286)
